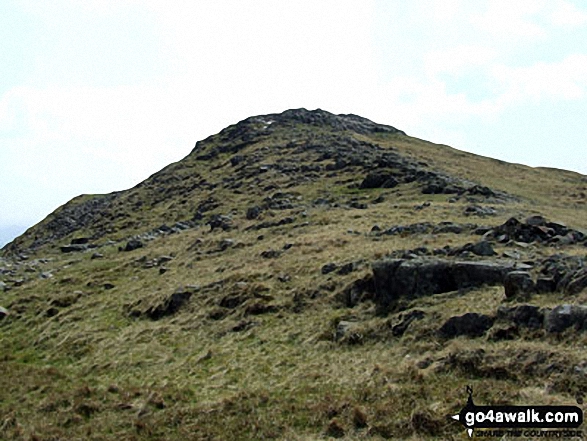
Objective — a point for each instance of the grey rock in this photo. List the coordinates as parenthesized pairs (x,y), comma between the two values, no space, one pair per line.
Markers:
(400,278)
(578,282)
(545,285)
(566,316)
(133,244)
(536,221)
(73,248)
(483,248)
(329,267)
(470,324)
(97,256)
(529,316)
(448,227)
(379,180)
(3,287)
(518,283)
(3,312)
(225,244)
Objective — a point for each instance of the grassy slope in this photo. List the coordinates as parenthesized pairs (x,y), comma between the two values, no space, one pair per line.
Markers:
(92,372)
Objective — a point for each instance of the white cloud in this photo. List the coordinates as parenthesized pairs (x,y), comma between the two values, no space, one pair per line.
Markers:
(511,20)
(567,14)
(566,80)
(458,59)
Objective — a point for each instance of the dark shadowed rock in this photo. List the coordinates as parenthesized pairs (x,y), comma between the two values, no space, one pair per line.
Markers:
(400,278)
(73,248)
(379,180)
(545,285)
(470,324)
(483,248)
(132,245)
(405,320)
(578,282)
(253,212)
(329,267)
(518,284)
(566,316)
(220,221)
(529,316)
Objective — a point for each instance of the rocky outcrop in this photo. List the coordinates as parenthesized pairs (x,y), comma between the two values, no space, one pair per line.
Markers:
(397,279)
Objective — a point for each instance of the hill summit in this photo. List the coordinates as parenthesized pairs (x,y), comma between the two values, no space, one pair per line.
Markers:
(298,275)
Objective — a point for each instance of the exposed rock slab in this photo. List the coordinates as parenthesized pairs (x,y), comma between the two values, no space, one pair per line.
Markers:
(399,278)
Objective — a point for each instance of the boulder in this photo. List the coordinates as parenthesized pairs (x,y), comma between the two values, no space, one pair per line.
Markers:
(400,278)
(253,212)
(578,282)
(73,248)
(518,283)
(133,244)
(529,316)
(470,324)
(329,267)
(483,248)
(566,316)
(379,180)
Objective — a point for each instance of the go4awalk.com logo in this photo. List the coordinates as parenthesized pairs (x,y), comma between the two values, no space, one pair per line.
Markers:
(512,420)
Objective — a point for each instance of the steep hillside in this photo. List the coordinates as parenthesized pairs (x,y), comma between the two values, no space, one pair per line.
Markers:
(300,275)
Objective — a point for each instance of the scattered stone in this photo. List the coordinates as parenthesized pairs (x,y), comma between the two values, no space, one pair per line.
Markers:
(220,221)
(108,285)
(271,254)
(225,244)
(97,256)
(3,287)
(46,275)
(358,205)
(375,229)
(329,267)
(3,312)
(133,244)
(347,268)
(518,284)
(162,270)
(470,324)
(253,212)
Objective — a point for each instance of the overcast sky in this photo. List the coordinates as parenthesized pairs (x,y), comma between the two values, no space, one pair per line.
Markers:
(96,96)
